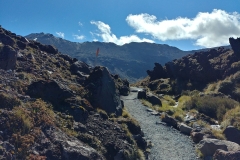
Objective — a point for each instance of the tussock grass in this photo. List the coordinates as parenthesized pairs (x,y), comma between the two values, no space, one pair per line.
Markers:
(214,107)
(103,113)
(125,113)
(169,100)
(232,117)
(8,101)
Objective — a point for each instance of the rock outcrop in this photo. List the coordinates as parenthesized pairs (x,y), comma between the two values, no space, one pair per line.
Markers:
(104,92)
(235,44)
(209,146)
(157,72)
(226,155)
(8,58)
(55,144)
(194,71)
(232,134)
(50,91)
(185,129)
(154,100)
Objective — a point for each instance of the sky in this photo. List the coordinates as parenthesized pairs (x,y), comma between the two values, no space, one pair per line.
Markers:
(186,24)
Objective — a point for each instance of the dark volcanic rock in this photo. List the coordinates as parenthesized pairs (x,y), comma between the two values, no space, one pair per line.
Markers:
(104,92)
(46,48)
(50,91)
(197,136)
(8,58)
(235,44)
(209,146)
(55,144)
(157,72)
(80,67)
(154,100)
(6,40)
(232,134)
(170,120)
(196,71)
(68,58)
(142,94)
(226,155)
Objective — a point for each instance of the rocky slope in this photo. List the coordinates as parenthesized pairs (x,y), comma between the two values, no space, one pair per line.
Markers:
(200,96)
(194,71)
(56,107)
(129,61)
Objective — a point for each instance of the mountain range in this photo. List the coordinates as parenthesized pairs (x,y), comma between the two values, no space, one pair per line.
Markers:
(130,61)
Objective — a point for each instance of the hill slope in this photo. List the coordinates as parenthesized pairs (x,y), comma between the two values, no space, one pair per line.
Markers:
(129,61)
(56,107)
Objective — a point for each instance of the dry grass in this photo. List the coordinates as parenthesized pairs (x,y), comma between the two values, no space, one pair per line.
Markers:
(214,107)
(8,101)
(232,117)
(125,113)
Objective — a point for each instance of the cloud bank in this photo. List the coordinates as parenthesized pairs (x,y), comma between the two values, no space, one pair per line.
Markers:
(60,34)
(107,36)
(207,29)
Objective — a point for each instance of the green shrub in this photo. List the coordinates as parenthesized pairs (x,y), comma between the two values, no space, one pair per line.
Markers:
(214,107)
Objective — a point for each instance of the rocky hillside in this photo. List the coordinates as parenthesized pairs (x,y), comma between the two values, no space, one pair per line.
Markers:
(200,95)
(130,61)
(56,107)
(196,71)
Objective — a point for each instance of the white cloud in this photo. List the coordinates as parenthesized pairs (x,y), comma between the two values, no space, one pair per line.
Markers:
(207,29)
(60,34)
(80,24)
(108,36)
(78,37)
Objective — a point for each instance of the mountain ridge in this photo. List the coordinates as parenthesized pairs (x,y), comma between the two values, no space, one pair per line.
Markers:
(129,60)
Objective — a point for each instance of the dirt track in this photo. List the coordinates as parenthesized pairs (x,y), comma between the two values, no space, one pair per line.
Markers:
(169,143)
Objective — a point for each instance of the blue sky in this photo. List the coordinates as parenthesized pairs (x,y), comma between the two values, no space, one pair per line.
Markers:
(186,24)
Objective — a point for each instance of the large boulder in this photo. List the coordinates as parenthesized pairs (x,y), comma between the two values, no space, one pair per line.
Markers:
(197,136)
(46,48)
(124,90)
(50,91)
(81,67)
(8,58)
(209,146)
(225,155)
(232,134)
(142,94)
(68,58)
(104,93)
(169,120)
(6,40)
(185,128)
(154,99)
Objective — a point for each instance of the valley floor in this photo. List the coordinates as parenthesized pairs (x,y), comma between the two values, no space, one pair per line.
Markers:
(168,143)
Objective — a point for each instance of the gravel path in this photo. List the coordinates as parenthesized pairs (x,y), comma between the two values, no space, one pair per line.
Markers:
(168,143)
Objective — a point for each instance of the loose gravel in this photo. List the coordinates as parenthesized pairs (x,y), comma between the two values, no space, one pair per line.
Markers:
(168,143)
